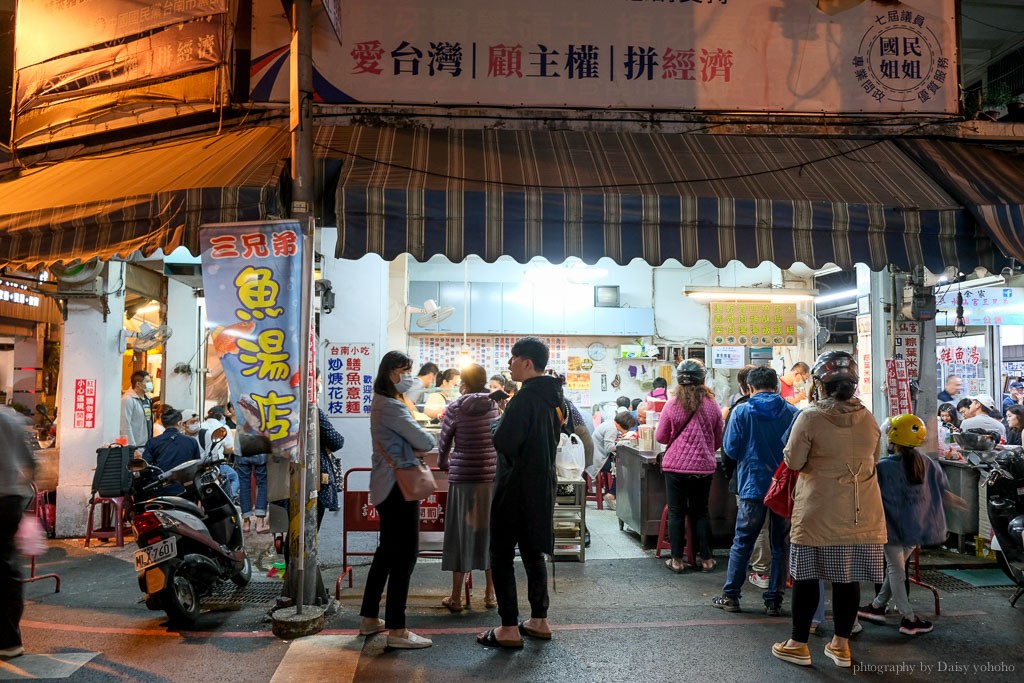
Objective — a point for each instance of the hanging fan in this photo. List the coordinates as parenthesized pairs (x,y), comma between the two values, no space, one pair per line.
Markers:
(432,314)
(148,337)
(808,327)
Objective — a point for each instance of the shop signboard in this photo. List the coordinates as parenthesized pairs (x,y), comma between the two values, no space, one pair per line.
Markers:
(348,379)
(729,357)
(252,275)
(908,344)
(85,403)
(808,57)
(982,305)
(864,359)
(753,323)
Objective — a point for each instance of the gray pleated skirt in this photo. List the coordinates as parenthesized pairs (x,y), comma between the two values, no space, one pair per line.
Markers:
(467,527)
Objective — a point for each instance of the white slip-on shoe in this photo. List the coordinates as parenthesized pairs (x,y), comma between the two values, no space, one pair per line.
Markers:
(410,642)
(369,630)
(9,652)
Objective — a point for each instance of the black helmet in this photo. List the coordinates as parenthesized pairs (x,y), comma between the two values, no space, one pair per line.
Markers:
(835,365)
(691,371)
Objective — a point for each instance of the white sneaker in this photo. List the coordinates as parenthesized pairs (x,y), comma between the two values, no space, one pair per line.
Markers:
(857,628)
(410,642)
(758,579)
(609,501)
(16,651)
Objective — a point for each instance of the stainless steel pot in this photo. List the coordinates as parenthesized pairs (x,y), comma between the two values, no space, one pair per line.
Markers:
(977,441)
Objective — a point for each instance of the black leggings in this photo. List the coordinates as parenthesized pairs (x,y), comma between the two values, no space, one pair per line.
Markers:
(845,600)
(394,559)
(687,494)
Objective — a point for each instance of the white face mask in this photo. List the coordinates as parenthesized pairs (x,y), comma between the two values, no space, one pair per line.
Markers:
(191,427)
(149,386)
(404,384)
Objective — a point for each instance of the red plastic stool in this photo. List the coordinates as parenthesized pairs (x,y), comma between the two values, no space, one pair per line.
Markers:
(914,574)
(592,491)
(113,519)
(664,544)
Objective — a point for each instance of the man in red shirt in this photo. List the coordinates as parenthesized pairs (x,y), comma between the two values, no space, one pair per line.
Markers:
(798,372)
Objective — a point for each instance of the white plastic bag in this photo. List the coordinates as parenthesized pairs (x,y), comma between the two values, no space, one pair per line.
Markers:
(570,458)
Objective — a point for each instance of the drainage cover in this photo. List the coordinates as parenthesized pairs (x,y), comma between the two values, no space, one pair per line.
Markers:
(950,584)
(257,592)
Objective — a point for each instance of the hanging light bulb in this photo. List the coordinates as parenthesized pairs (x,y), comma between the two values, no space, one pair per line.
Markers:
(959,326)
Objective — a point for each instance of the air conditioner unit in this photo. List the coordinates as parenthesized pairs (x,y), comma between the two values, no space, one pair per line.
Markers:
(85,290)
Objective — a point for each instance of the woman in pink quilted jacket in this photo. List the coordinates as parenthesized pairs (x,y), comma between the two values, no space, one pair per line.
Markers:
(466,450)
(691,425)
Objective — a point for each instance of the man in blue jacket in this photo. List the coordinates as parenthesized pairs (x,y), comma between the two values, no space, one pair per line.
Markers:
(754,439)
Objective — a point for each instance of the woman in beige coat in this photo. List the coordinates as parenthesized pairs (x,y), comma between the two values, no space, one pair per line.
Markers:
(838,530)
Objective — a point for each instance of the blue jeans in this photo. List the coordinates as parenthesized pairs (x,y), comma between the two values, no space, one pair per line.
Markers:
(230,480)
(750,516)
(245,472)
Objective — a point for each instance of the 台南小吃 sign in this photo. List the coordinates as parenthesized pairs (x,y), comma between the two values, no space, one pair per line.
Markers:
(348,379)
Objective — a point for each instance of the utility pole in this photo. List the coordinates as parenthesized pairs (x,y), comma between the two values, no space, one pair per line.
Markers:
(303,582)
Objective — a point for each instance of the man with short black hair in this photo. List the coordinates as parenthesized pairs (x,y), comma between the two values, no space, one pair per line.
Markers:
(525,437)
(137,411)
(171,448)
(1015,397)
(798,372)
(424,380)
(754,439)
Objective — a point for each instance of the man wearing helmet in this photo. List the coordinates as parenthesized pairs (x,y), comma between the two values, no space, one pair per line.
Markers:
(913,488)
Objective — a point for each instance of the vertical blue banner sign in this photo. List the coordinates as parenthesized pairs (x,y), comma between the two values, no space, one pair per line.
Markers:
(252,278)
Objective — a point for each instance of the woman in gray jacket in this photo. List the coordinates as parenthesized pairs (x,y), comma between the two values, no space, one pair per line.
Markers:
(393,429)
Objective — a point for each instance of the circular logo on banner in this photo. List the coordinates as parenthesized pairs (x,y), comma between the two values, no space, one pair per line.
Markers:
(900,59)
(586,364)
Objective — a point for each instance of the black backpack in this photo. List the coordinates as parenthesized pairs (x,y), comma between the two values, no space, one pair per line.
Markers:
(112,478)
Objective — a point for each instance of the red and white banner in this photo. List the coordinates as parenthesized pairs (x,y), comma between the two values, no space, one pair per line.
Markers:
(806,57)
(898,387)
(85,403)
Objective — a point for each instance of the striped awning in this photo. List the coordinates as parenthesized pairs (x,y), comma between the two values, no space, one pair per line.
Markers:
(649,196)
(143,199)
(987,181)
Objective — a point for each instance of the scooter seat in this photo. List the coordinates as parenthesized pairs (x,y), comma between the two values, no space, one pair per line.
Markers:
(176,503)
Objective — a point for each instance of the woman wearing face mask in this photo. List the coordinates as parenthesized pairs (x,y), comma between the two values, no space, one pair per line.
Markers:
(394,430)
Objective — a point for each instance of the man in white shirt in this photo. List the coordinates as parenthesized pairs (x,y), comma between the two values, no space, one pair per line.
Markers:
(606,436)
(983,414)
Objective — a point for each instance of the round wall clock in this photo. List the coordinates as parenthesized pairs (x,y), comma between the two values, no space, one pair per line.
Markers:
(596,351)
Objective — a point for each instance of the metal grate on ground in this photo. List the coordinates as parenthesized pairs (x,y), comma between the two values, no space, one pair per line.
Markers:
(945,582)
(257,592)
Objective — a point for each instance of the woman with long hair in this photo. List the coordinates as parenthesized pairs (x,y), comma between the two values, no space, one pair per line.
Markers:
(949,417)
(466,450)
(838,526)
(691,426)
(396,438)
(913,488)
(437,401)
(1015,424)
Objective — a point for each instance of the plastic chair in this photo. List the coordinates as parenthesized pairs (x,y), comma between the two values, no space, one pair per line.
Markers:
(113,519)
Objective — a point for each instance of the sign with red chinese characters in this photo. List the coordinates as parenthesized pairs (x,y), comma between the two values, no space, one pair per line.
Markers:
(908,346)
(85,403)
(864,359)
(361,515)
(959,355)
(698,54)
(898,387)
(348,379)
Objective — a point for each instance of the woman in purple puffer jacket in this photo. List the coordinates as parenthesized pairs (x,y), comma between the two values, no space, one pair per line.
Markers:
(466,450)
(691,425)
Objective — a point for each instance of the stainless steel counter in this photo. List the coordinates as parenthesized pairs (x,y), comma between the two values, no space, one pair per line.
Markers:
(963,482)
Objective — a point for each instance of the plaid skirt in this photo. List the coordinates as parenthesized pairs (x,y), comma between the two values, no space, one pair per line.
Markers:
(837,563)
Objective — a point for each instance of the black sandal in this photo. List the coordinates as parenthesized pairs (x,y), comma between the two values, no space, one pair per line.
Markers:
(488,639)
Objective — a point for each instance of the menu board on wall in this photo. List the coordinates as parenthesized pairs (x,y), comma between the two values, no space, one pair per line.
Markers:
(490,352)
(753,323)
(348,380)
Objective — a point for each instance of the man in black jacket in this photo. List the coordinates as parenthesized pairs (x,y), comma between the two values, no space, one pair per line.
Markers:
(525,437)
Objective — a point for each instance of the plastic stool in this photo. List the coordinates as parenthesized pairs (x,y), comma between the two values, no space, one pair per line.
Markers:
(113,519)
(593,491)
(664,544)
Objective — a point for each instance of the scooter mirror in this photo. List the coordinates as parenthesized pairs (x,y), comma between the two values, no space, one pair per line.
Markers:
(220,433)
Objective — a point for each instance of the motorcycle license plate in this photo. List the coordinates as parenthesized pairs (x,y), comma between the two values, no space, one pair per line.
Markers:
(155,554)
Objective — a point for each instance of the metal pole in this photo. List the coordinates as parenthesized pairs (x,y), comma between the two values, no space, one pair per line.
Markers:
(300,582)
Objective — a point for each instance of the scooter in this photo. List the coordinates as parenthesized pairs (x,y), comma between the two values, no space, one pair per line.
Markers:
(1005,488)
(187,544)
